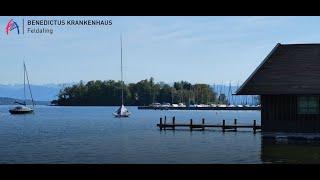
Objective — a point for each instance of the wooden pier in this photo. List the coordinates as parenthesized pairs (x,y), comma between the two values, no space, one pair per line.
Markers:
(163,125)
(200,108)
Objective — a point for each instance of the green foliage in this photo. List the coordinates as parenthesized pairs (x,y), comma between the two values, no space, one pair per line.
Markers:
(144,92)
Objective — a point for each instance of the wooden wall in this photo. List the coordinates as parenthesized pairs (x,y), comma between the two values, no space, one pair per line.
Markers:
(279,114)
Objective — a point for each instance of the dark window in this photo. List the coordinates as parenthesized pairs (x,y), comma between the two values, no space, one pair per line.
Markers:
(308,105)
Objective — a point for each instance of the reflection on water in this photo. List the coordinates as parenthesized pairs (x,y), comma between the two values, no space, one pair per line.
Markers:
(297,151)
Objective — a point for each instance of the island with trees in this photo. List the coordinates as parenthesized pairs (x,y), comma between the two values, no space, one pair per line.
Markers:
(142,93)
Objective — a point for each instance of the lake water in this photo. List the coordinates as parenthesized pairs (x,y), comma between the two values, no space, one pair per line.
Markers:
(92,135)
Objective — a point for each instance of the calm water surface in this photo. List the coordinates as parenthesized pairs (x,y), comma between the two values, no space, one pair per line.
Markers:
(93,135)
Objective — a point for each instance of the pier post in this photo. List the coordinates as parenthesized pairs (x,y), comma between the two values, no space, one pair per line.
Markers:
(173,123)
(202,124)
(223,125)
(190,124)
(254,126)
(235,124)
(161,124)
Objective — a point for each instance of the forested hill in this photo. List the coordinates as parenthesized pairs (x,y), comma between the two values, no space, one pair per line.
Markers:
(144,92)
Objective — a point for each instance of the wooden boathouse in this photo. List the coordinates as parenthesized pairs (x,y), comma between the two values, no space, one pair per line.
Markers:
(288,82)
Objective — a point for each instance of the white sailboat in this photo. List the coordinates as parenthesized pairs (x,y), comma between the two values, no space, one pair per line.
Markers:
(22,108)
(122,111)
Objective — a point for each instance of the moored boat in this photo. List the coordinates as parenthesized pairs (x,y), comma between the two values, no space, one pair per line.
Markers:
(22,108)
(122,111)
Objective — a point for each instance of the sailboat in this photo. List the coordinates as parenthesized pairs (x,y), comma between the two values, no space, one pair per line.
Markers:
(22,108)
(122,111)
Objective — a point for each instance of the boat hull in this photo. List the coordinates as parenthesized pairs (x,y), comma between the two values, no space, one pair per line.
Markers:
(121,115)
(20,112)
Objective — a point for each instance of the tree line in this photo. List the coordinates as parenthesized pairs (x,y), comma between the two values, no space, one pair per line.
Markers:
(144,92)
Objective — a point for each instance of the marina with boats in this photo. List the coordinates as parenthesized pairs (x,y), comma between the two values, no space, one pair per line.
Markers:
(225,100)
(200,107)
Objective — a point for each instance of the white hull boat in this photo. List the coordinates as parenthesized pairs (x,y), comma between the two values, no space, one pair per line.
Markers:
(122,111)
(22,108)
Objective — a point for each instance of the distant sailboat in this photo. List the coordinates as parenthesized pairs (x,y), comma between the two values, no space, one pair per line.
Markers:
(121,111)
(22,108)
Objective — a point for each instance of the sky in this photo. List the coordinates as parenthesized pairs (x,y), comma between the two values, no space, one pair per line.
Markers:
(201,49)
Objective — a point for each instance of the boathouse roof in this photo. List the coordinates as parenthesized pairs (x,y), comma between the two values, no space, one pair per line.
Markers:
(287,69)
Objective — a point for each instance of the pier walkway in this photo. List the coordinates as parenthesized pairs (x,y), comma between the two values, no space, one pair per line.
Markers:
(200,108)
(163,125)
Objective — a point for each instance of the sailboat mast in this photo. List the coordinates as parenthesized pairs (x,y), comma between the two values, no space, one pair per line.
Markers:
(24,83)
(121,74)
(172,95)
(229,93)
(189,95)
(26,72)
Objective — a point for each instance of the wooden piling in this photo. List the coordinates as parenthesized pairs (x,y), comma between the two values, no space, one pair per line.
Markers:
(190,124)
(165,122)
(254,126)
(223,125)
(173,122)
(235,124)
(202,124)
(160,124)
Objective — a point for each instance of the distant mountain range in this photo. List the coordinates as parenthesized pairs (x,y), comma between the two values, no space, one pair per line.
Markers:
(9,101)
(46,92)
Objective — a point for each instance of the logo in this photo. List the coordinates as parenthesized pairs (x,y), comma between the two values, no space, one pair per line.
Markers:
(11,26)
